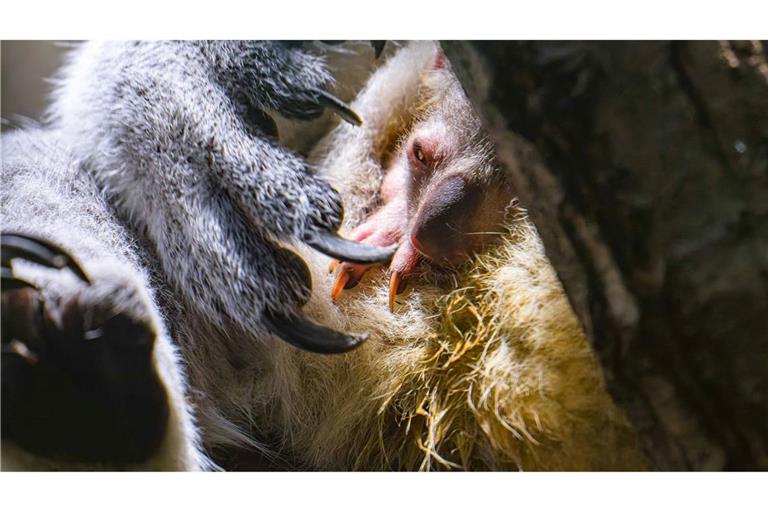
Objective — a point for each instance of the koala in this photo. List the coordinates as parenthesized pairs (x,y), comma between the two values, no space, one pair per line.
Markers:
(159,174)
(443,199)
(183,130)
(215,229)
(481,364)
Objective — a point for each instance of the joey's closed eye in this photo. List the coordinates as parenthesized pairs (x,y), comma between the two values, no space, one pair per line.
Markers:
(418,152)
(423,153)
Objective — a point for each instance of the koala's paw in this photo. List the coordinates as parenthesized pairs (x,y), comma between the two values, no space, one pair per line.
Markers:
(291,325)
(282,197)
(283,77)
(78,378)
(321,221)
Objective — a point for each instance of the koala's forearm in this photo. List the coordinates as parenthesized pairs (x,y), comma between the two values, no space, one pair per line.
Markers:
(178,135)
(163,133)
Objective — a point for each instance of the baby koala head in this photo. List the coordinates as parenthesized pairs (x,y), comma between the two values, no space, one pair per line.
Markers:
(456,197)
(443,198)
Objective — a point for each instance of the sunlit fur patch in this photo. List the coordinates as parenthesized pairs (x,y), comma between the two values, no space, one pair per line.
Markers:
(492,371)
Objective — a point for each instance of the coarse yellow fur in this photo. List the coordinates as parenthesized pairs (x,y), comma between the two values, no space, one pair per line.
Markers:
(486,368)
(495,374)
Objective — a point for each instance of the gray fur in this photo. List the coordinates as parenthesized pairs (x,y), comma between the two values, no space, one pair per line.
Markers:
(46,194)
(150,170)
(163,128)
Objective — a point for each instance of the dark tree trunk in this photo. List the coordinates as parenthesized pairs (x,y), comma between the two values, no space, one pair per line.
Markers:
(644,166)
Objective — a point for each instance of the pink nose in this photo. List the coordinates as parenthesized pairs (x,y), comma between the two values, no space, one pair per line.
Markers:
(439,228)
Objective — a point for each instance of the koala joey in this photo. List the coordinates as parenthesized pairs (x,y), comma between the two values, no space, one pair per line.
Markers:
(158,181)
(443,199)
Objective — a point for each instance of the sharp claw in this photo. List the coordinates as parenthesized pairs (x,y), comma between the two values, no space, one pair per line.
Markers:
(394,285)
(16,245)
(343,110)
(339,284)
(348,277)
(11,282)
(397,286)
(378,47)
(334,246)
(310,336)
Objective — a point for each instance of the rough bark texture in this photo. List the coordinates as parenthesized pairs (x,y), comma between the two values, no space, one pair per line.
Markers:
(644,166)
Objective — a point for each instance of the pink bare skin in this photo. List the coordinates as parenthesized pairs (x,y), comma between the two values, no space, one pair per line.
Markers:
(442,199)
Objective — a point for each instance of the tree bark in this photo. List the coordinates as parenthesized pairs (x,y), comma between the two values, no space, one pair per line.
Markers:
(644,166)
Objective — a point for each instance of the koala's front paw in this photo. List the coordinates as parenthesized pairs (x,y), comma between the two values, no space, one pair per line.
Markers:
(255,283)
(280,77)
(288,201)
(78,379)
(291,326)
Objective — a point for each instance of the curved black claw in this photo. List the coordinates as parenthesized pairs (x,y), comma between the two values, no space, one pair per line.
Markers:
(334,246)
(42,252)
(343,110)
(307,335)
(378,47)
(11,282)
